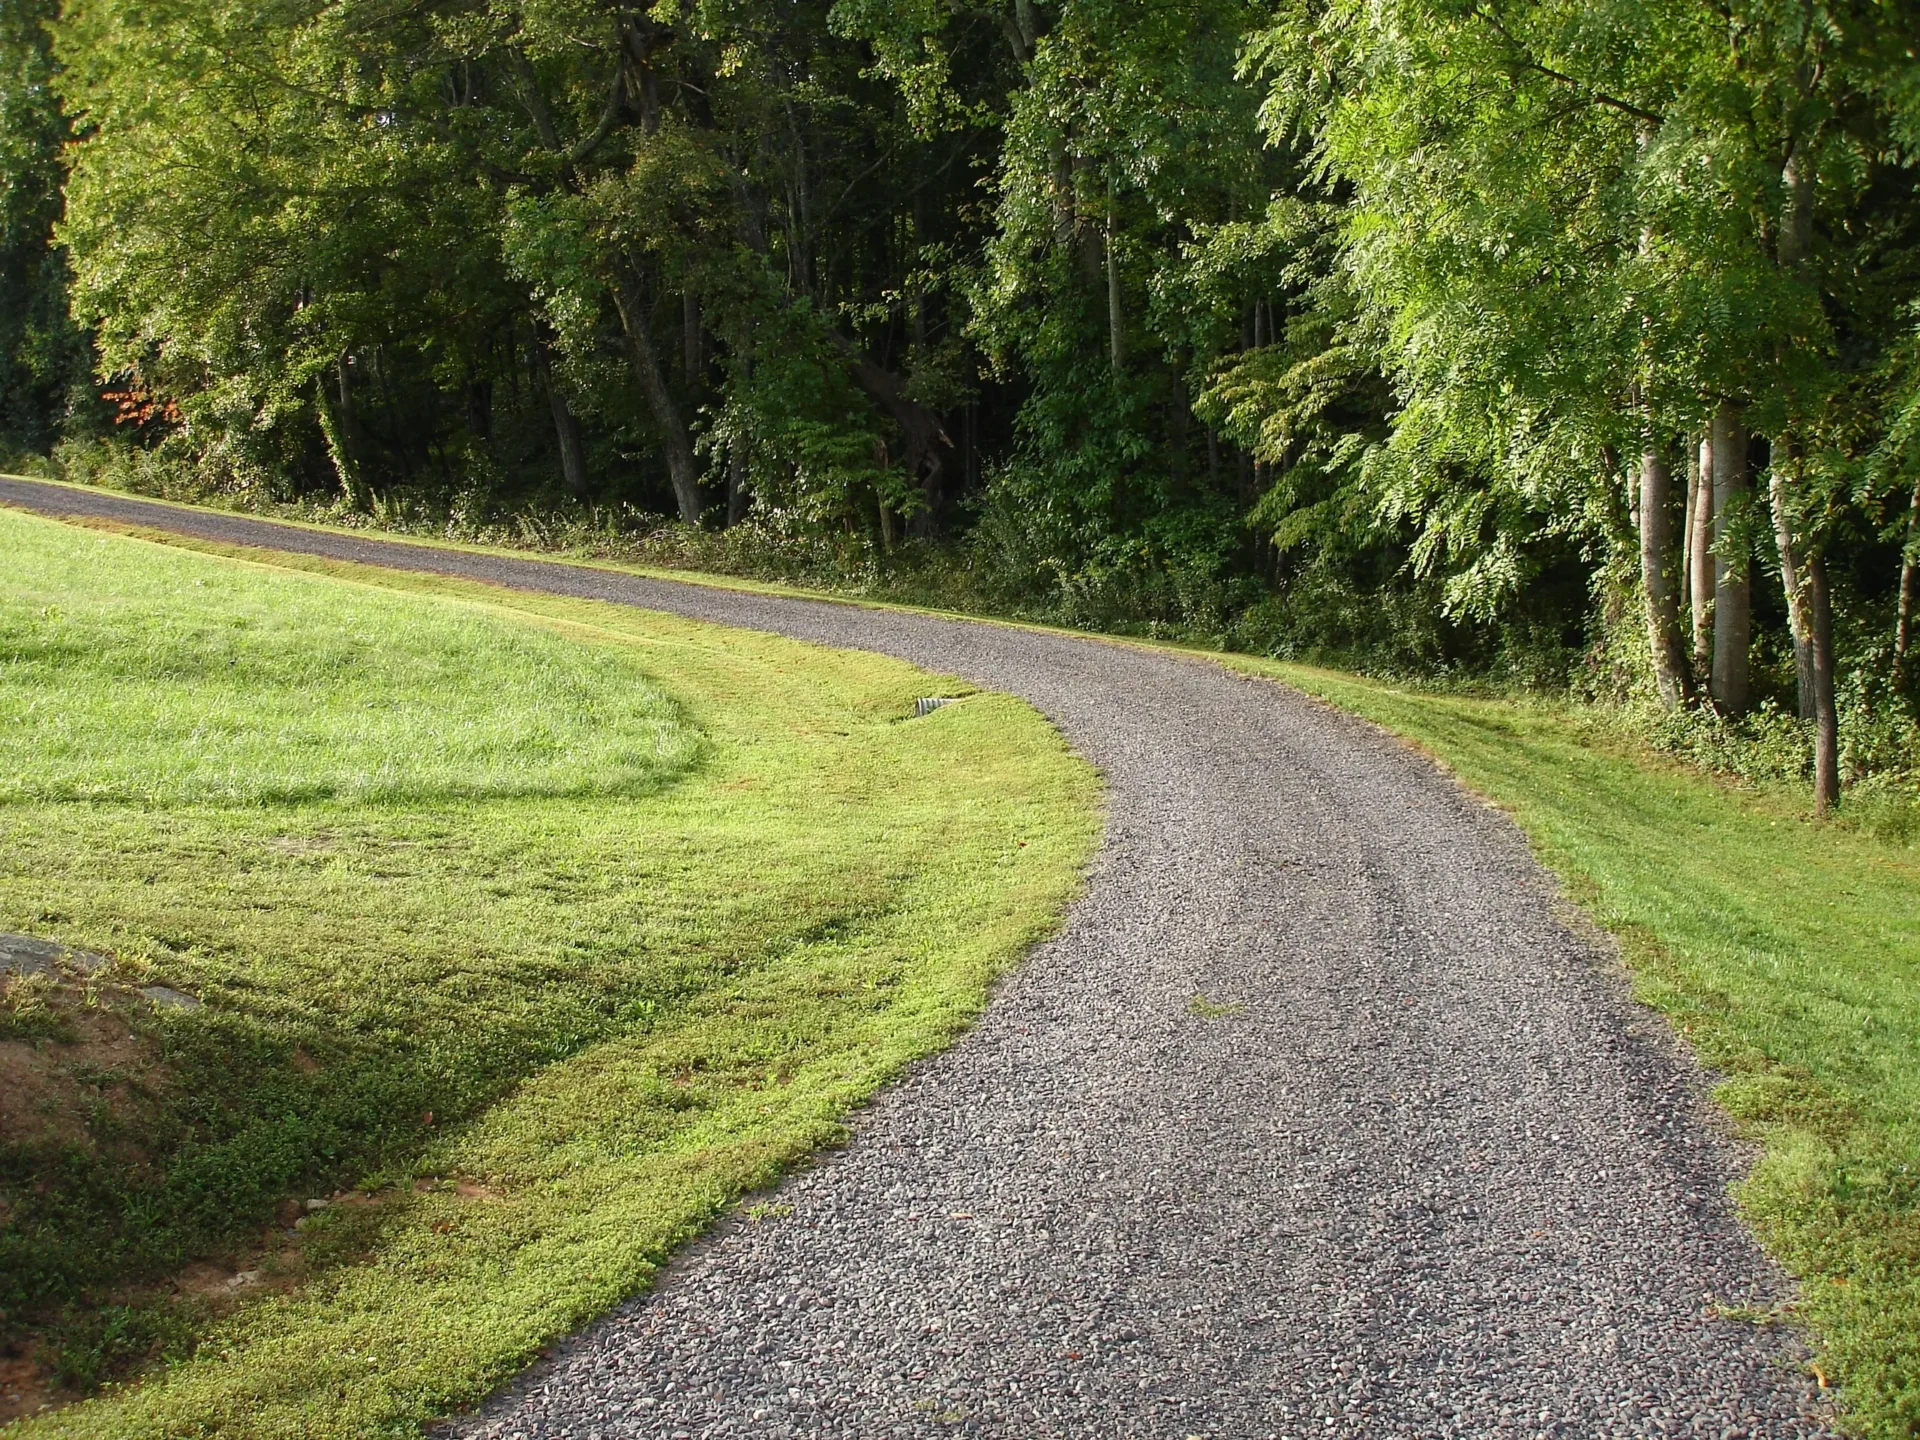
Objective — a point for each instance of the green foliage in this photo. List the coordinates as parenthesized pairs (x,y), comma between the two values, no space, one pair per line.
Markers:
(94,1345)
(639,921)
(327,235)
(1158,316)
(43,356)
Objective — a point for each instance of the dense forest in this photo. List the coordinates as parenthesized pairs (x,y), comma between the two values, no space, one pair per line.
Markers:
(1570,342)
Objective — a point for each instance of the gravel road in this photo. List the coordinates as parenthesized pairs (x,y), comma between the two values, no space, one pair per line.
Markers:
(1413,1165)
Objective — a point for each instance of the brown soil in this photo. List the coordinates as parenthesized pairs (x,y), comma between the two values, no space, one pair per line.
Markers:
(50,1086)
(25,1389)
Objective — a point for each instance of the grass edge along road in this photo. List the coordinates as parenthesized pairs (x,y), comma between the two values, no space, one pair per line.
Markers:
(548,1207)
(1788,956)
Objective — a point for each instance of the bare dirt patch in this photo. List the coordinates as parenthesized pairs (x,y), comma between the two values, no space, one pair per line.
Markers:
(25,1388)
(72,1066)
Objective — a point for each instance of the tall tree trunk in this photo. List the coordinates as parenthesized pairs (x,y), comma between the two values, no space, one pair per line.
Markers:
(1793,577)
(337,427)
(737,493)
(1116,317)
(1732,585)
(1671,677)
(1811,611)
(1691,451)
(1692,455)
(566,426)
(1700,559)
(1909,585)
(692,360)
(1029,30)
(922,433)
(480,409)
(1826,715)
(681,469)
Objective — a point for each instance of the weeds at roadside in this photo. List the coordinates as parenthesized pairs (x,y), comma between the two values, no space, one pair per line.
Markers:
(1207,1009)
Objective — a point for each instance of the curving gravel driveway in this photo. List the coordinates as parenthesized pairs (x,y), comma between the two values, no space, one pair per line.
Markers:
(1415,1166)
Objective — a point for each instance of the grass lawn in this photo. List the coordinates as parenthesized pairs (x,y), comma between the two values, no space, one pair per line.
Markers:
(1787,953)
(527,932)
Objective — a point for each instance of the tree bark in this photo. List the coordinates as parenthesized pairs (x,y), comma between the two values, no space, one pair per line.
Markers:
(1116,317)
(1909,584)
(1826,715)
(1793,577)
(566,426)
(674,440)
(737,493)
(1700,558)
(1670,674)
(1809,602)
(1732,585)
(480,409)
(691,357)
(1796,218)
(338,429)
(922,434)
(1692,453)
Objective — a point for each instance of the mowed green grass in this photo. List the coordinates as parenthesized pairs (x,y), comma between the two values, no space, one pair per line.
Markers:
(1788,954)
(550,926)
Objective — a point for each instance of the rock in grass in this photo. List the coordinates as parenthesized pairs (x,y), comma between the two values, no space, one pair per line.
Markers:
(167,998)
(30,955)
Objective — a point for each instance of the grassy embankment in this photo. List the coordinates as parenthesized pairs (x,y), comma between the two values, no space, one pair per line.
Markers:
(1787,953)
(529,932)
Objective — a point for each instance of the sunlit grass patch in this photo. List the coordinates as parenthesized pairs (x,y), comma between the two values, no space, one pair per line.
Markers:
(199,684)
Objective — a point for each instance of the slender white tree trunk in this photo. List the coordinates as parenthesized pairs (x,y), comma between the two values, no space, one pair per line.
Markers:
(1732,584)
(1700,558)
(1826,714)
(1793,578)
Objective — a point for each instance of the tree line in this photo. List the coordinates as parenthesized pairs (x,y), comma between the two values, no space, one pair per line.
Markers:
(1441,327)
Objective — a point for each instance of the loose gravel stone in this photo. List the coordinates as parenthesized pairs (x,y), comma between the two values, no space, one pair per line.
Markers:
(1315,1120)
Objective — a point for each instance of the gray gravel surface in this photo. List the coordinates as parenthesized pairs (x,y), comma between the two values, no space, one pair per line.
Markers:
(1416,1166)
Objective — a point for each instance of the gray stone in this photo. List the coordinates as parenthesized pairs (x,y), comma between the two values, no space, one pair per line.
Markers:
(30,955)
(26,955)
(167,998)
